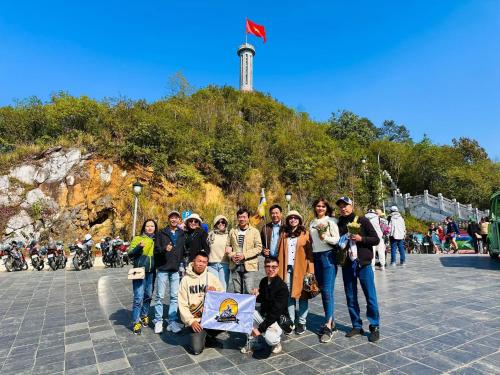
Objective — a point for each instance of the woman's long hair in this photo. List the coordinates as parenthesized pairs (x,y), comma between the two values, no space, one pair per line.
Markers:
(329,209)
(143,229)
(289,232)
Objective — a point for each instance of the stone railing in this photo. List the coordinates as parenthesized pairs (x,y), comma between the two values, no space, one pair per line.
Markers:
(431,208)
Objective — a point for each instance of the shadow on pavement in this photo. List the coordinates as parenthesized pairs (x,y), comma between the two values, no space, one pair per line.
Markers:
(479,262)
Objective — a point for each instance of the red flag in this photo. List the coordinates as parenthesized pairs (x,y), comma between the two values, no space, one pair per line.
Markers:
(257,30)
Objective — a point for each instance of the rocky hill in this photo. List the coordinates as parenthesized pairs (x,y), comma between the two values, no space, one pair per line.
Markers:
(65,194)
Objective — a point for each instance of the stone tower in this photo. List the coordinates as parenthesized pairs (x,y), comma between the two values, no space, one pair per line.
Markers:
(246,52)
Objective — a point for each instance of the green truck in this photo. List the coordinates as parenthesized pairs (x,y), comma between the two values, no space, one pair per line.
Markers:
(493,240)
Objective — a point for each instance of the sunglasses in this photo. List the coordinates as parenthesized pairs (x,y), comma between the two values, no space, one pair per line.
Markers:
(293,218)
(192,221)
(271,267)
(221,222)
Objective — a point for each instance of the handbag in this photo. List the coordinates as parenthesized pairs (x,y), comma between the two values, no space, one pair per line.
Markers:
(341,255)
(311,287)
(138,273)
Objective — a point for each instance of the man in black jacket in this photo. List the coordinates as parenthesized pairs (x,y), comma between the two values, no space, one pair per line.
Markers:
(273,298)
(474,232)
(169,250)
(358,266)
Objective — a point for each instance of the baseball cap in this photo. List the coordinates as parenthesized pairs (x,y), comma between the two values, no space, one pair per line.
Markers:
(345,200)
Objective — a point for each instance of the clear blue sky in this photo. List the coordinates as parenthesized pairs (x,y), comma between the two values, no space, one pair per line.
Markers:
(431,65)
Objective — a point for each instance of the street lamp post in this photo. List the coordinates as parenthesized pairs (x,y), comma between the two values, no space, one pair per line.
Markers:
(381,183)
(363,162)
(137,188)
(288,198)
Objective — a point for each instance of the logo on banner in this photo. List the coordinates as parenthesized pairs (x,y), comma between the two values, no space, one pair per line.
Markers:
(228,309)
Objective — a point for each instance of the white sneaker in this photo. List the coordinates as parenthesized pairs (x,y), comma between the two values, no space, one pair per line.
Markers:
(277,349)
(175,327)
(159,327)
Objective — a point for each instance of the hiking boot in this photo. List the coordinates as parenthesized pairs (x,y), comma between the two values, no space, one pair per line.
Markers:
(159,327)
(326,334)
(355,331)
(276,349)
(137,330)
(374,334)
(145,321)
(300,329)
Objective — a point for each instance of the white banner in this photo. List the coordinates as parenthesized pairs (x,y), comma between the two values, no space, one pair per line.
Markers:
(228,312)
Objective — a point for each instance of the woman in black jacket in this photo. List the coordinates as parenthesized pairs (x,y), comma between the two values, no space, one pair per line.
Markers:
(358,266)
(196,238)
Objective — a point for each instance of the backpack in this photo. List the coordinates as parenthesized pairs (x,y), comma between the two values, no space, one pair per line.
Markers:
(385,228)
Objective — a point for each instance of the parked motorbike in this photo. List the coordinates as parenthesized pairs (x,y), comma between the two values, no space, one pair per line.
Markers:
(13,257)
(36,256)
(114,256)
(82,258)
(55,256)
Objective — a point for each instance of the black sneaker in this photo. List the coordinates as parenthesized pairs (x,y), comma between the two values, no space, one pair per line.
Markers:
(300,329)
(374,334)
(355,331)
(326,334)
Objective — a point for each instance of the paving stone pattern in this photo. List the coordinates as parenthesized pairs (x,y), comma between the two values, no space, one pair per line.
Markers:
(440,314)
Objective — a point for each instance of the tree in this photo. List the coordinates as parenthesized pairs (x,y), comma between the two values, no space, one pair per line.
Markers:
(347,125)
(470,150)
(393,132)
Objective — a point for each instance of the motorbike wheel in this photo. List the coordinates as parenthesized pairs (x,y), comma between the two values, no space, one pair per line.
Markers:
(8,265)
(120,262)
(52,265)
(24,266)
(40,266)
(76,263)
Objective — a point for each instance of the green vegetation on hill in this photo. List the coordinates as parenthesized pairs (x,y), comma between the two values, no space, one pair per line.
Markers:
(242,141)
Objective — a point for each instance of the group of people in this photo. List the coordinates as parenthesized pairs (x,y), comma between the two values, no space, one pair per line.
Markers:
(449,230)
(194,262)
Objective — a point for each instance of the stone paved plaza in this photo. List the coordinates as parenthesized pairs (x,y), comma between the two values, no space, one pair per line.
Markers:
(440,314)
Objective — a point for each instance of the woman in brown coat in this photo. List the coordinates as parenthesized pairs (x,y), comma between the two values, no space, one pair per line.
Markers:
(295,260)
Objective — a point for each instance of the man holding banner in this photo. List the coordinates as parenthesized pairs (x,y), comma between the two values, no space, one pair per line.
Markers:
(191,299)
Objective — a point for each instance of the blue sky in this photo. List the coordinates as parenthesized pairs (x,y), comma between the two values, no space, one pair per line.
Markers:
(431,65)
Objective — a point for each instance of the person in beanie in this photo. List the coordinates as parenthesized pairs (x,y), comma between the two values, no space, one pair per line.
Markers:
(218,261)
(397,236)
(169,251)
(360,243)
(141,252)
(197,282)
(296,260)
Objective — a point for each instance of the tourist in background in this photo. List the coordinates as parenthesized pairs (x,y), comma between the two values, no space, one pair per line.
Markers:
(324,236)
(452,232)
(358,267)
(141,251)
(474,231)
(483,225)
(243,247)
(270,233)
(295,261)
(379,249)
(218,261)
(397,236)
(169,251)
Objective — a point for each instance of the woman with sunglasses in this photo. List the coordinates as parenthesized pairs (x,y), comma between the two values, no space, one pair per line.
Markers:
(295,260)
(324,234)
(196,238)
(218,262)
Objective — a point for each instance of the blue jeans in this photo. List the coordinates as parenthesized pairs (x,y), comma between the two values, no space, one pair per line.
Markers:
(325,271)
(161,285)
(398,245)
(142,296)
(221,270)
(366,279)
(303,303)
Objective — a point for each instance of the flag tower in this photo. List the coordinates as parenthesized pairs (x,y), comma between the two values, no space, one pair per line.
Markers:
(246,52)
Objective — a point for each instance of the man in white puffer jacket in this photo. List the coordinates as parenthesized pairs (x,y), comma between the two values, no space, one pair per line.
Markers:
(397,236)
(380,248)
